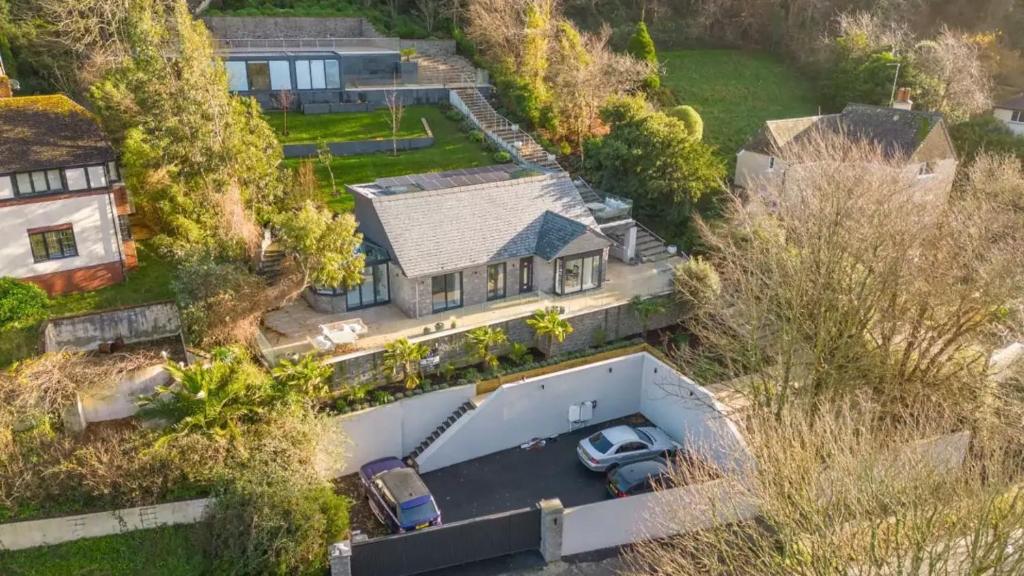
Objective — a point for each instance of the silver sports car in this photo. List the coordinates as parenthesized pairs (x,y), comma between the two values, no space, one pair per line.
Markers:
(619,445)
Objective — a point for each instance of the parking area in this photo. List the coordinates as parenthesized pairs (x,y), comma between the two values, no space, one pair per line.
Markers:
(519,478)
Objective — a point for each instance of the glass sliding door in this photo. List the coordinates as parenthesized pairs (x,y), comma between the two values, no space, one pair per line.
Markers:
(373,291)
(446,292)
(578,273)
(496,281)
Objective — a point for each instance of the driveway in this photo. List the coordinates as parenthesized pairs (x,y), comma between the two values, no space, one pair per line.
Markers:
(519,478)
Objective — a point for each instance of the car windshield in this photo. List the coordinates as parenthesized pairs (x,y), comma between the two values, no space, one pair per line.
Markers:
(419,512)
(600,443)
(645,437)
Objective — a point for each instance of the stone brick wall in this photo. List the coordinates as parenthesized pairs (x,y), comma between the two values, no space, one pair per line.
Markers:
(589,329)
(436,48)
(269,27)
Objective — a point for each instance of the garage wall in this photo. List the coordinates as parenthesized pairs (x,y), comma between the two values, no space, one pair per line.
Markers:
(691,415)
(649,516)
(390,430)
(538,407)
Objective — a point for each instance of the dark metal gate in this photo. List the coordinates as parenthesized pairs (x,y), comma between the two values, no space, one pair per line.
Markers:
(449,545)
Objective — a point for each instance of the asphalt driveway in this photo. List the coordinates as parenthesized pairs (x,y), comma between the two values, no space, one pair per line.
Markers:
(519,478)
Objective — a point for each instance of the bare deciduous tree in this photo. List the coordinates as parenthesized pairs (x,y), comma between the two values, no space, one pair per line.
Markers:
(962,86)
(285,99)
(396,109)
(431,11)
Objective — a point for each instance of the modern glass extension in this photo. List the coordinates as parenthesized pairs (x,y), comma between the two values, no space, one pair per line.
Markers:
(578,273)
(375,288)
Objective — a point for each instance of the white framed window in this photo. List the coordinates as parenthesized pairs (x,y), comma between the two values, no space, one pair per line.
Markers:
(97,177)
(238,80)
(302,75)
(280,75)
(6,187)
(76,179)
(40,182)
(1017,116)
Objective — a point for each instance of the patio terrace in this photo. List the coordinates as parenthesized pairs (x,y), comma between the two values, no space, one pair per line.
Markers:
(291,329)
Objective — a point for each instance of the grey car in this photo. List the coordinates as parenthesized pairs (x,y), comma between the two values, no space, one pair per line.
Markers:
(639,478)
(620,445)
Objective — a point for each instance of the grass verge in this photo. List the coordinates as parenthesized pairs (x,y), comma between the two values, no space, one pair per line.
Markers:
(168,551)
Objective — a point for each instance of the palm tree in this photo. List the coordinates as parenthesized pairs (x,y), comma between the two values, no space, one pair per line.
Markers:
(209,398)
(304,379)
(402,356)
(482,341)
(645,308)
(549,326)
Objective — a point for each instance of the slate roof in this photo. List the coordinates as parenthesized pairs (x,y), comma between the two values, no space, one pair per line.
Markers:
(1015,103)
(447,229)
(898,133)
(38,132)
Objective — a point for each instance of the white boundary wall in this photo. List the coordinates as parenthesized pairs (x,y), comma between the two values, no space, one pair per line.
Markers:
(390,430)
(539,407)
(32,533)
(655,515)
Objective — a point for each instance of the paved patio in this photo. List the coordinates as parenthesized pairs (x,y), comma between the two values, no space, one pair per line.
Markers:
(292,328)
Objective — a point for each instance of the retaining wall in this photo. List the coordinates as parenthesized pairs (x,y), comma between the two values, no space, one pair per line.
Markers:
(271,27)
(389,430)
(20,535)
(135,324)
(590,329)
(359,147)
(437,48)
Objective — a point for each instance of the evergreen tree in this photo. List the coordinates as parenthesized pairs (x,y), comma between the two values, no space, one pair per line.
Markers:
(641,46)
(691,119)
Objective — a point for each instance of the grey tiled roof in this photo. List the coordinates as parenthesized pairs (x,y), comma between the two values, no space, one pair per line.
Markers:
(432,231)
(1015,103)
(898,133)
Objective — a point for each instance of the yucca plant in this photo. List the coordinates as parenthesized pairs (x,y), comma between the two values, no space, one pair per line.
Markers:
(403,357)
(549,326)
(482,341)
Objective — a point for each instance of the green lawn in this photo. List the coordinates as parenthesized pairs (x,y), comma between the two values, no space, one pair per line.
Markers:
(169,551)
(452,149)
(345,127)
(150,282)
(736,91)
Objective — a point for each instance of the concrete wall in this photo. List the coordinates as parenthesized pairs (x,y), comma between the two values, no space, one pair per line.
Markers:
(437,48)
(267,27)
(656,515)
(20,535)
(539,407)
(390,430)
(589,329)
(359,147)
(135,324)
(121,400)
(1006,117)
(91,217)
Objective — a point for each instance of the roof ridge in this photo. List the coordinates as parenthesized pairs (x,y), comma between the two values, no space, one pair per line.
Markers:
(467,187)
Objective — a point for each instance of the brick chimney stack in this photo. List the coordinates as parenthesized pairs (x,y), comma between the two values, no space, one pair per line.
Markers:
(903,101)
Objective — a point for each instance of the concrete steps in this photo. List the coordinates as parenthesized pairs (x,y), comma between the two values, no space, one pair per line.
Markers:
(649,247)
(454,417)
(270,264)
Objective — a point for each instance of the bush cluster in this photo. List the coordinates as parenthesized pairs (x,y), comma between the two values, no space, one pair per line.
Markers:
(21,303)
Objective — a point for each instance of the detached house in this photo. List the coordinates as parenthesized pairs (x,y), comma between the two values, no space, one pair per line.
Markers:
(916,140)
(63,209)
(1011,113)
(438,242)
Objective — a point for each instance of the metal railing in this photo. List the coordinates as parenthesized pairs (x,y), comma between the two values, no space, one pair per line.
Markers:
(285,44)
(490,122)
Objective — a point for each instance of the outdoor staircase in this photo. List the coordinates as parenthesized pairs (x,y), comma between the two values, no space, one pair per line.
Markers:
(649,246)
(459,412)
(507,135)
(270,263)
(446,70)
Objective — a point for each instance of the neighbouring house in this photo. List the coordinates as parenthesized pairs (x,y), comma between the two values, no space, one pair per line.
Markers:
(334,64)
(64,212)
(917,140)
(438,242)
(1011,113)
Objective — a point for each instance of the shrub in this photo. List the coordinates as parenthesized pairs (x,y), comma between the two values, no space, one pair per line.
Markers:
(467,126)
(21,303)
(502,157)
(476,136)
(454,115)
(691,119)
(519,353)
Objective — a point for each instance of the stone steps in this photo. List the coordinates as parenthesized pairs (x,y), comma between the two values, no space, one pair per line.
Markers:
(452,418)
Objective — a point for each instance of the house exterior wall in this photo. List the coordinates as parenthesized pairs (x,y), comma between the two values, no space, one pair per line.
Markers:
(1004,115)
(936,186)
(753,170)
(96,238)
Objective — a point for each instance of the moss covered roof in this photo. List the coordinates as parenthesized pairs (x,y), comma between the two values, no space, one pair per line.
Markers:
(39,132)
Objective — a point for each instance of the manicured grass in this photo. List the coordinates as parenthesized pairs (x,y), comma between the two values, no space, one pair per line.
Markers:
(169,551)
(452,149)
(736,91)
(150,282)
(303,128)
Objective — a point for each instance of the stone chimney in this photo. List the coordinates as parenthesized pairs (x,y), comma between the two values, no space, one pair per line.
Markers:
(903,101)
